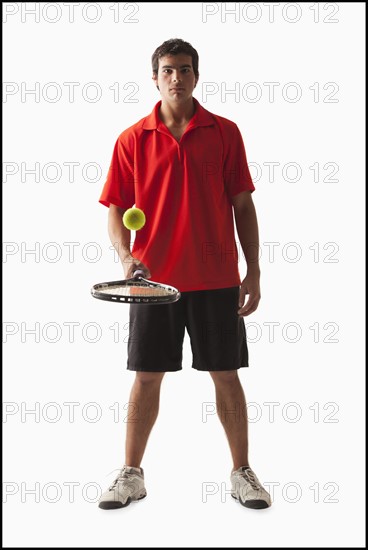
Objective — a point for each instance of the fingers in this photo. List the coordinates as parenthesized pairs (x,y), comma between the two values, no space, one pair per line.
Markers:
(138,265)
(242,293)
(249,307)
(251,304)
(144,268)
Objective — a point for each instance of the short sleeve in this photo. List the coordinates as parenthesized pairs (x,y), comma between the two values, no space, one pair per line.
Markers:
(119,186)
(237,176)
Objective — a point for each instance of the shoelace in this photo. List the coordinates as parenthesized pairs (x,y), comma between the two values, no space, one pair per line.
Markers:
(120,478)
(250,476)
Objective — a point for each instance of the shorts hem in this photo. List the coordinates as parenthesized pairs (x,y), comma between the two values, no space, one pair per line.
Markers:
(219,370)
(136,369)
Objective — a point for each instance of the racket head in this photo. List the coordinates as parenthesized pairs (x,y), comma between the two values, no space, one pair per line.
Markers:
(136,290)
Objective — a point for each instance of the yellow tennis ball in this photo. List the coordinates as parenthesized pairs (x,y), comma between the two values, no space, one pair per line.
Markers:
(134,219)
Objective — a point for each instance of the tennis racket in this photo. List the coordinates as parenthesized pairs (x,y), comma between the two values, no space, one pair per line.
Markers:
(136,290)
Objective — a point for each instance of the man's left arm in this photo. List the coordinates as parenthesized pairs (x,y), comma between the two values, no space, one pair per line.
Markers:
(247,228)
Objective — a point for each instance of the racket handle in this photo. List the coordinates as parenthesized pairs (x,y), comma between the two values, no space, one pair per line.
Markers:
(138,273)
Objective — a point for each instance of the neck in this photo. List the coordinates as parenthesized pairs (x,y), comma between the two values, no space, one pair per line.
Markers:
(174,113)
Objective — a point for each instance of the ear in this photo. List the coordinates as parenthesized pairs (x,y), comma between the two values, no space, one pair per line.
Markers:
(155,79)
(196,81)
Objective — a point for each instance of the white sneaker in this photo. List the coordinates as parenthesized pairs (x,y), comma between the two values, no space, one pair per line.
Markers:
(128,486)
(246,488)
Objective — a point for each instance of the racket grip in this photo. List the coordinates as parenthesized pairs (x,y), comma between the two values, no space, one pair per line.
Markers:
(138,273)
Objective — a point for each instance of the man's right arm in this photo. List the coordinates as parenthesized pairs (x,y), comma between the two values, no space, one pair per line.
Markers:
(120,239)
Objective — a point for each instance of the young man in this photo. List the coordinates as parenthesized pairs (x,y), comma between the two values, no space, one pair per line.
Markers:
(186,168)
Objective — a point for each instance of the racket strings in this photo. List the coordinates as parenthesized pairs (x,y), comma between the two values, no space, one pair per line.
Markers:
(137,290)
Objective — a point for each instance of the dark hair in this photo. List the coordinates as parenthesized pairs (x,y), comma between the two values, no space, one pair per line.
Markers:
(175,46)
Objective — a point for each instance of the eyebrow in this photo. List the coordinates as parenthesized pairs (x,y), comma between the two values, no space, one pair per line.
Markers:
(172,67)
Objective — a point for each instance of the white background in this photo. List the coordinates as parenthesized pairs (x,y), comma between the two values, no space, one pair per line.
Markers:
(315,462)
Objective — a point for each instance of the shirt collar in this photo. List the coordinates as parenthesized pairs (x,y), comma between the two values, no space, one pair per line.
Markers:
(201,117)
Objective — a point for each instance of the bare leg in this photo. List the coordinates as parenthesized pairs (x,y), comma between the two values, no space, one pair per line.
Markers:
(142,413)
(232,411)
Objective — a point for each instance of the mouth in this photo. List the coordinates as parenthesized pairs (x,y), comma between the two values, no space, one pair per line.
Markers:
(176,89)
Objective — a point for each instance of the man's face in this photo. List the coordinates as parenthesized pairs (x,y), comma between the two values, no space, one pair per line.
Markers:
(175,78)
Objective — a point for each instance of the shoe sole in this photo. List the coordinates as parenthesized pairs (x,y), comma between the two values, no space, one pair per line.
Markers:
(254,504)
(113,505)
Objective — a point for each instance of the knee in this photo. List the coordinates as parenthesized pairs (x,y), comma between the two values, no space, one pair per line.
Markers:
(149,377)
(224,376)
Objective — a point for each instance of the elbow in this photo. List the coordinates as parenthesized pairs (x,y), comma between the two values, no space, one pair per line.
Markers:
(242,212)
(115,210)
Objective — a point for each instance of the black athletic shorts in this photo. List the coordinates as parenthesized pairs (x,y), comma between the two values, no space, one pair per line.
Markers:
(217,333)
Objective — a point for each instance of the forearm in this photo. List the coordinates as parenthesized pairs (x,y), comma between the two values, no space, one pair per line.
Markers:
(118,233)
(247,228)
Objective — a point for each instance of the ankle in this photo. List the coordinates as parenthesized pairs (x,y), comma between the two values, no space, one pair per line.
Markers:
(243,465)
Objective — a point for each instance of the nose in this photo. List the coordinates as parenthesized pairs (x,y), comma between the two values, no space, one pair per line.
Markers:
(176,77)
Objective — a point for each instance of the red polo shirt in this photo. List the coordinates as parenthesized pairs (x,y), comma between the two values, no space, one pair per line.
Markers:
(185,190)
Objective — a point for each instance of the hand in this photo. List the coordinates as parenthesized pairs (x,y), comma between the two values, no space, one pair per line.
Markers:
(250,285)
(131,264)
